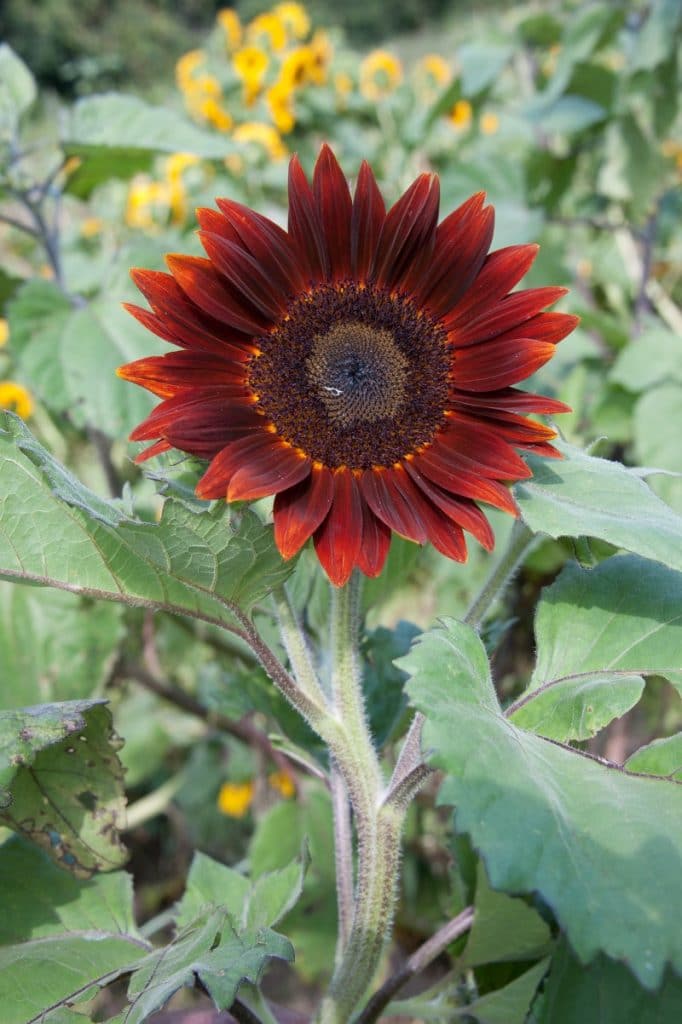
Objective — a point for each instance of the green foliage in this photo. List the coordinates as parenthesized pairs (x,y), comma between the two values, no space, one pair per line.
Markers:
(587,829)
(61,783)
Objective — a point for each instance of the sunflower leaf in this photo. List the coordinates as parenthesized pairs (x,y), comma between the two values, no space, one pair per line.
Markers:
(626,621)
(60,938)
(602,848)
(583,496)
(61,783)
(214,565)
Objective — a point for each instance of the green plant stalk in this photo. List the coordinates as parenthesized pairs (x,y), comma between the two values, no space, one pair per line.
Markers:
(378,828)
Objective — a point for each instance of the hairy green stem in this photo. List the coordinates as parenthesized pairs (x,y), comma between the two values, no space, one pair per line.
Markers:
(296,645)
(520,540)
(378,828)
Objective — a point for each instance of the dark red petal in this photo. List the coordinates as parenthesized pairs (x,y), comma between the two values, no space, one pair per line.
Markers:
(376,540)
(462,243)
(154,449)
(367,220)
(455,476)
(216,224)
(509,314)
(501,271)
(167,375)
(267,242)
(337,541)
(253,467)
(510,399)
(305,226)
(198,424)
(445,535)
(202,283)
(245,275)
(409,228)
(389,494)
(480,447)
(332,196)
(497,364)
(299,510)
(546,450)
(462,511)
(512,428)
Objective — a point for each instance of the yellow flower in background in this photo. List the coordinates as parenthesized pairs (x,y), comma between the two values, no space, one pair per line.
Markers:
(272,27)
(250,64)
(213,112)
(343,86)
(280,104)
(205,85)
(16,398)
(228,19)
(434,69)
(176,165)
(235,161)
(295,19)
(380,74)
(489,124)
(146,197)
(672,149)
(91,227)
(297,67)
(322,51)
(283,784)
(461,114)
(262,134)
(4,332)
(235,798)
(186,66)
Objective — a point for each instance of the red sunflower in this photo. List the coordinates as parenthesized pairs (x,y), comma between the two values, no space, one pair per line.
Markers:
(358,366)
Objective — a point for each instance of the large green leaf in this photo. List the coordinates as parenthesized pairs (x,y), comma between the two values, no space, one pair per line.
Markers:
(55,646)
(59,937)
(61,783)
(212,949)
(601,847)
(597,632)
(604,992)
(583,496)
(657,429)
(55,532)
(116,135)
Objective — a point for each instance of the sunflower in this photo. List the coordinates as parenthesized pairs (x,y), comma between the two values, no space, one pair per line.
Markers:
(358,366)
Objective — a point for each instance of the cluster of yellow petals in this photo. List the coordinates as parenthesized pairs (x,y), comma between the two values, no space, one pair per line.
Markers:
(380,74)
(150,202)
(461,115)
(4,332)
(202,91)
(432,74)
(16,398)
(264,135)
(228,19)
(250,64)
(235,798)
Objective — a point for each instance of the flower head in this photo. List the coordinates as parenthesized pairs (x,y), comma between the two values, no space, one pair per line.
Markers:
(380,74)
(16,398)
(359,366)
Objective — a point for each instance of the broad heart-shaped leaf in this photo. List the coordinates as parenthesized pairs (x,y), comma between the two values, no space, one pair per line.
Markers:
(59,938)
(55,532)
(256,904)
(116,135)
(661,757)
(604,992)
(61,783)
(55,646)
(601,847)
(212,949)
(582,496)
(597,632)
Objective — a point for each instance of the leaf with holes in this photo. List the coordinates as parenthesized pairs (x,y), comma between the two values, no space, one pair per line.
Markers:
(61,783)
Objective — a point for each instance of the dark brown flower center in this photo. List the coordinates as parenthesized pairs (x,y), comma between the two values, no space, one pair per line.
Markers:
(353,376)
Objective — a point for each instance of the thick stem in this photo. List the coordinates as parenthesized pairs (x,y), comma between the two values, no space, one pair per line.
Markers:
(378,828)
(296,645)
(343,852)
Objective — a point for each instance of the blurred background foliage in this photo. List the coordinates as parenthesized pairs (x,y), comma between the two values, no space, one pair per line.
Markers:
(566,113)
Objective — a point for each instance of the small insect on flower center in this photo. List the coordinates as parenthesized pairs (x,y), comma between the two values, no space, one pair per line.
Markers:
(360,373)
(353,376)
